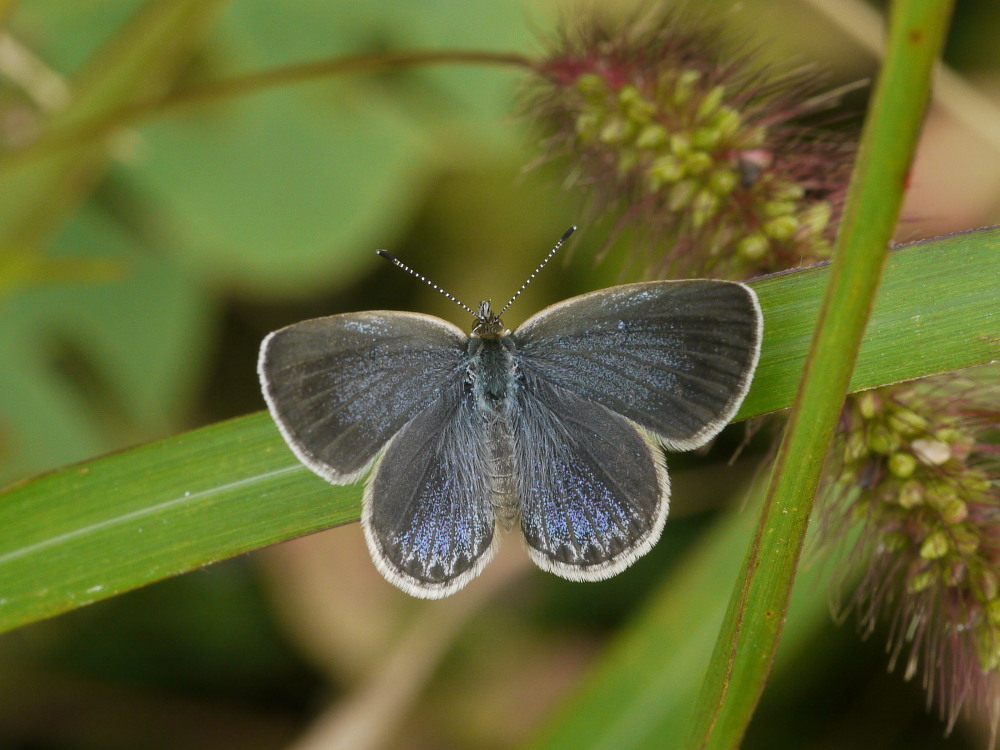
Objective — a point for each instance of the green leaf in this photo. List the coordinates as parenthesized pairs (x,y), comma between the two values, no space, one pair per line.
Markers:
(138,63)
(136,330)
(277,193)
(90,531)
(135,342)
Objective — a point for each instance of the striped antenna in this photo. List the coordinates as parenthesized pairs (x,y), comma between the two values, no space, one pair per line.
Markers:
(541,265)
(396,261)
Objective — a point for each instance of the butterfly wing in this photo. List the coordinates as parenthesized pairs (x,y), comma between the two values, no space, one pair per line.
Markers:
(427,514)
(593,490)
(675,357)
(340,387)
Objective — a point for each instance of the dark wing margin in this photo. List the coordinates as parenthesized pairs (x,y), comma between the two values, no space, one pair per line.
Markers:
(340,387)
(427,512)
(675,357)
(592,487)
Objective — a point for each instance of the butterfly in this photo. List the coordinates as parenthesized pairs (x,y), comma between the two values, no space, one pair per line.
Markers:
(556,426)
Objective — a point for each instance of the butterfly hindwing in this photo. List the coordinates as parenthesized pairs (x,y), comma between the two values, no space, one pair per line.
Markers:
(340,387)
(675,357)
(592,488)
(427,514)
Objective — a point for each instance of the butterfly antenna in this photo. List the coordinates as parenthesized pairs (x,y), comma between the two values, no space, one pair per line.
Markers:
(397,262)
(541,265)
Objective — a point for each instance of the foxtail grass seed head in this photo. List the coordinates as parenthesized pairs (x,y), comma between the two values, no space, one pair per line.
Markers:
(917,466)
(691,149)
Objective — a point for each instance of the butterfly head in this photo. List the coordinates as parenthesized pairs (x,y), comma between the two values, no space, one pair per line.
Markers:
(488,324)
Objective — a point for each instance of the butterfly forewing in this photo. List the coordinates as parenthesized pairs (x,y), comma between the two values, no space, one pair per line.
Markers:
(675,357)
(593,493)
(427,514)
(340,387)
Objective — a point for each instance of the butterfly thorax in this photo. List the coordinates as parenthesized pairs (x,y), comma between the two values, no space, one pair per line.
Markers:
(491,370)
(491,358)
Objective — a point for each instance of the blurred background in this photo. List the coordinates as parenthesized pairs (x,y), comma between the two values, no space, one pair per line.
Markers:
(135,307)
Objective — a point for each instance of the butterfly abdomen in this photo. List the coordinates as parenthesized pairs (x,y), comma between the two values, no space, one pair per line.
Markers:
(492,374)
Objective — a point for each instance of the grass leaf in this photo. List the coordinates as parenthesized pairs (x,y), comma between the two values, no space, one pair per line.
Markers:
(90,531)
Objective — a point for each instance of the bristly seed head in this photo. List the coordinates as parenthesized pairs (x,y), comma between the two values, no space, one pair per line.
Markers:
(918,466)
(689,147)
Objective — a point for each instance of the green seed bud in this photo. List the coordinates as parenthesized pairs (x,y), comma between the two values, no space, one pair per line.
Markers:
(787,191)
(593,87)
(635,105)
(778,208)
(894,541)
(723,181)
(820,248)
(949,435)
(616,130)
(681,194)
(869,404)
(629,95)
(652,136)
(965,539)
(955,511)
(856,446)
(907,422)
(975,482)
(706,138)
(817,217)
(881,440)
(685,86)
(920,581)
(703,207)
(727,121)
(987,645)
(781,228)
(902,465)
(935,546)
(698,161)
(588,125)
(666,169)
(939,494)
(754,246)
(911,494)
(680,143)
(987,583)
(710,103)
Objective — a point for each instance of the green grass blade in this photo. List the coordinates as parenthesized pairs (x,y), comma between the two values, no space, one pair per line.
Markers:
(90,531)
(755,618)
(934,313)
